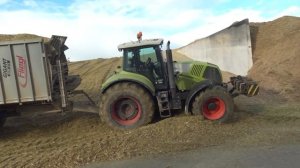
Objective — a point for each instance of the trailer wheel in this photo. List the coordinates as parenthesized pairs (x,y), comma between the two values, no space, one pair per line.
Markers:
(214,104)
(126,106)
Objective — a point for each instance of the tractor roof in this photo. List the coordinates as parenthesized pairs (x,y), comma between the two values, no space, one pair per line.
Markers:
(147,42)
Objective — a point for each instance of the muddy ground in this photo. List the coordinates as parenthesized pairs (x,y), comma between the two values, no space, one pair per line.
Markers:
(77,139)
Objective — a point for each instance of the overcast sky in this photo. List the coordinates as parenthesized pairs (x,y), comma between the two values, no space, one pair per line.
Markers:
(95,27)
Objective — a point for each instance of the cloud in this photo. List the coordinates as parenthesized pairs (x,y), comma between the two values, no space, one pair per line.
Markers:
(213,23)
(2,2)
(293,11)
(95,27)
(30,3)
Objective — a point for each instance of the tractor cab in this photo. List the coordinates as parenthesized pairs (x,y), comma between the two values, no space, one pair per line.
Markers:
(145,58)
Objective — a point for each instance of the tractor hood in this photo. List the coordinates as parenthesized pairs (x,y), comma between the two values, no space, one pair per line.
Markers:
(189,73)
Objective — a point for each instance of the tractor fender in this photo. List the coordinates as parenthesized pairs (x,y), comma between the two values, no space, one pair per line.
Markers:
(125,76)
(193,92)
(146,87)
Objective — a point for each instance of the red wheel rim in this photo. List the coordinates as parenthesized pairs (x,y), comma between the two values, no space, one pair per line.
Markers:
(126,111)
(214,108)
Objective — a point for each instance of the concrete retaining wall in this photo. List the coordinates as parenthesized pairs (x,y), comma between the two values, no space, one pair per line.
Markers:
(229,48)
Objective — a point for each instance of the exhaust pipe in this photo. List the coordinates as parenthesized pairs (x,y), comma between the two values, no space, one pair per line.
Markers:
(170,70)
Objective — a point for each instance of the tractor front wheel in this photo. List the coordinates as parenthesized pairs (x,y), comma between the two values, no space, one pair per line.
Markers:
(214,104)
(126,106)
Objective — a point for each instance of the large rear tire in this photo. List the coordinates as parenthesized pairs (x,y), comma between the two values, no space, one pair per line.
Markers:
(214,104)
(126,106)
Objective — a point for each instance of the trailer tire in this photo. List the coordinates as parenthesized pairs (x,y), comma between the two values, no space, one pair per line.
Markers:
(214,104)
(126,106)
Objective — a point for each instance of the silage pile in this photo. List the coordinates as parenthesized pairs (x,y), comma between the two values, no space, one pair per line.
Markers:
(276,56)
(93,73)
(11,37)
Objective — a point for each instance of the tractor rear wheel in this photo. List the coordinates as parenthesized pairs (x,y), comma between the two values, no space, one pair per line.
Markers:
(214,104)
(126,106)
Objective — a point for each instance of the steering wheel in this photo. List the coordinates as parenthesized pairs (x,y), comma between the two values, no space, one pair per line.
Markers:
(157,69)
(148,61)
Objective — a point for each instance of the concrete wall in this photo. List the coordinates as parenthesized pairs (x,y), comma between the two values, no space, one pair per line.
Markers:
(229,48)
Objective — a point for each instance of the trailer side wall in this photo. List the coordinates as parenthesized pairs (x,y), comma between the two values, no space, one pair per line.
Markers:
(23,69)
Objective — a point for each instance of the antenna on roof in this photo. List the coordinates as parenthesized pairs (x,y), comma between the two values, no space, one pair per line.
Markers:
(139,36)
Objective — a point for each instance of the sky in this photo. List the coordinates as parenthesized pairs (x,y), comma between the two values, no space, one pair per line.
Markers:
(96,27)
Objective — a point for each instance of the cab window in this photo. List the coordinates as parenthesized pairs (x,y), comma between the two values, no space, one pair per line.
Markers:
(143,61)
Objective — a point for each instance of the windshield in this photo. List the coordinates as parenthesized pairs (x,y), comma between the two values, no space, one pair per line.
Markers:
(144,61)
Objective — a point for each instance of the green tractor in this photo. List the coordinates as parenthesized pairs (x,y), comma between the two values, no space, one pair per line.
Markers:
(147,83)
